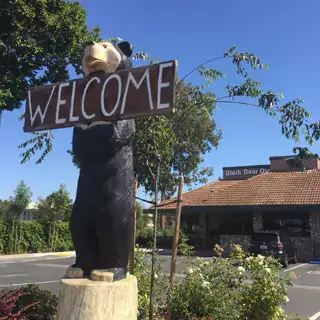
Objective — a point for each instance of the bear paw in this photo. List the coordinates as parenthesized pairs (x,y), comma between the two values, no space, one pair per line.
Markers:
(74,273)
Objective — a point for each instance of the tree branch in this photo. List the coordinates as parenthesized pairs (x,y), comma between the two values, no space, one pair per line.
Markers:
(240,102)
(200,65)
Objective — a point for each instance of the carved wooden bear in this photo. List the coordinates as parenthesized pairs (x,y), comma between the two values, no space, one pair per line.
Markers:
(101,220)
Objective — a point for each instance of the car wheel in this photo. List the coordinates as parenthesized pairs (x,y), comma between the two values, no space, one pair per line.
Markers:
(295,258)
(285,261)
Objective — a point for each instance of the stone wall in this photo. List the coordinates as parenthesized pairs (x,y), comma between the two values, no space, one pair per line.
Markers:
(314,223)
(304,244)
(304,247)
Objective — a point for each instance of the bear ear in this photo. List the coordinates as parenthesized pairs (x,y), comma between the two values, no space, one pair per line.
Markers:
(126,48)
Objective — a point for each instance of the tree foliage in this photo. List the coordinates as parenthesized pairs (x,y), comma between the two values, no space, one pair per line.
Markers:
(141,219)
(56,206)
(18,203)
(39,40)
(4,208)
(177,142)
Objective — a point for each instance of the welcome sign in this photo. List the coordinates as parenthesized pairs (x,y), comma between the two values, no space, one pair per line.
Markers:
(126,94)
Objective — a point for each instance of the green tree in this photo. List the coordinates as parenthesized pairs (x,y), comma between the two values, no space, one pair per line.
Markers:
(179,141)
(141,219)
(19,202)
(56,206)
(39,40)
(4,207)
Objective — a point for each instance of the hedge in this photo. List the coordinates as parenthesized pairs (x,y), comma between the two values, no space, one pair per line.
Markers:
(29,237)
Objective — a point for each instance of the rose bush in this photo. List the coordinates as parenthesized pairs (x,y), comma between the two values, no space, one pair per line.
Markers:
(143,272)
(238,287)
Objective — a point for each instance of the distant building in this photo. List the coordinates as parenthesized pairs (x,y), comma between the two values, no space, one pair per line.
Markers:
(282,195)
(26,216)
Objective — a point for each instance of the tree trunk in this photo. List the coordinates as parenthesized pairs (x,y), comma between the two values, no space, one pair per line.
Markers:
(85,299)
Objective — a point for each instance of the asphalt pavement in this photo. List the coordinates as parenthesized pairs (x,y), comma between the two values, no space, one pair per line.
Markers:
(47,271)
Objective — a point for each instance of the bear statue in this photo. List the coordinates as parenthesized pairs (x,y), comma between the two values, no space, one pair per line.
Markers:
(102,215)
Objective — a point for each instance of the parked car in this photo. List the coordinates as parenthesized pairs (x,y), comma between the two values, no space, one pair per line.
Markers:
(275,243)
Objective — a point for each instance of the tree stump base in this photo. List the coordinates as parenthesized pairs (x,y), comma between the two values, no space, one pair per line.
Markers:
(93,299)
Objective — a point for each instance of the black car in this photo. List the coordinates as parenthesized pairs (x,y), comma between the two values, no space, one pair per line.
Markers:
(275,243)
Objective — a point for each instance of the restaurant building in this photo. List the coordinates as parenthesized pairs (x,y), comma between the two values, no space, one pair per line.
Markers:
(284,194)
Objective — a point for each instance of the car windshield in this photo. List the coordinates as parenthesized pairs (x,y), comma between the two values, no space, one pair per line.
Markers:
(264,237)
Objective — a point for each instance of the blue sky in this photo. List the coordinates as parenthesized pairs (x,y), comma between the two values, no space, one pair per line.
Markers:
(284,34)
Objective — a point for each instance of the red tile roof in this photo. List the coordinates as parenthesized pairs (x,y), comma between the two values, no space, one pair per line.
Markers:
(194,196)
(267,189)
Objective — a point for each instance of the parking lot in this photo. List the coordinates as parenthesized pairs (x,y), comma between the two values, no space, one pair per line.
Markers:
(46,272)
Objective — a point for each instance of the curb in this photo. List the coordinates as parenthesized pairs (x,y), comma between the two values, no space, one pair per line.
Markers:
(47,254)
(37,255)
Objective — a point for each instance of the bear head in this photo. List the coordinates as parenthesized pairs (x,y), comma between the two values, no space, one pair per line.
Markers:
(106,57)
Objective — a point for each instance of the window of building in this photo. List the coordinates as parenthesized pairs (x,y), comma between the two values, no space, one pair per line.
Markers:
(295,227)
(190,223)
(236,227)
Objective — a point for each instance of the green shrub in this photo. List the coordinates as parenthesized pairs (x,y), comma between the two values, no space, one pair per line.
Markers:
(3,236)
(32,238)
(28,237)
(59,237)
(46,307)
(161,285)
(216,289)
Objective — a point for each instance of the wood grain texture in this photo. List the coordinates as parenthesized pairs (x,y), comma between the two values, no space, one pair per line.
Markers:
(125,94)
(101,275)
(83,299)
(74,272)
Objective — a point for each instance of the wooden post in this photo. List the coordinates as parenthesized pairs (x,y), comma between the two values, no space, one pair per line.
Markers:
(134,232)
(176,231)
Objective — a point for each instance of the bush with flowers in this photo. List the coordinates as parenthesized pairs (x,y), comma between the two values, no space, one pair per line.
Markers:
(143,272)
(217,289)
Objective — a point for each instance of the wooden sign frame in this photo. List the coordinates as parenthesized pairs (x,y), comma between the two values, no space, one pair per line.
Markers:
(126,94)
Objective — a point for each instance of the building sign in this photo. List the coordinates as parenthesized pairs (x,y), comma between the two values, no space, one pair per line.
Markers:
(242,173)
(126,94)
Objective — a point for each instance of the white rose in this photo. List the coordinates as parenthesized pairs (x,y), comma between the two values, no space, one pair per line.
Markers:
(241,269)
(268,270)
(189,271)
(286,299)
(155,276)
(205,284)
